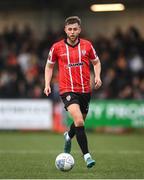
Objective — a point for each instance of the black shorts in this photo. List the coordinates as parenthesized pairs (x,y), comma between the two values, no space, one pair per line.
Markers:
(82,99)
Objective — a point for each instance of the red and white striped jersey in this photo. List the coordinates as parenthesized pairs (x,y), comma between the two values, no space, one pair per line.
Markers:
(74,67)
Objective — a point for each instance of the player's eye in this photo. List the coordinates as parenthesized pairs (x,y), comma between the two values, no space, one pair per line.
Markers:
(75,29)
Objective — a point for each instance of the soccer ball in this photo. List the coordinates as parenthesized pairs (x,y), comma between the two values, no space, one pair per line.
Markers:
(64,162)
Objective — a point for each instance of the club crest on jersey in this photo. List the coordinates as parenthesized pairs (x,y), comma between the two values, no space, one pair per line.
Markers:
(68,98)
(83,52)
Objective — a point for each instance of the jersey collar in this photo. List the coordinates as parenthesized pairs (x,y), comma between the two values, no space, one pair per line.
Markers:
(65,40)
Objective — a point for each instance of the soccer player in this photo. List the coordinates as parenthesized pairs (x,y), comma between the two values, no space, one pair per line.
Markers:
(74,55)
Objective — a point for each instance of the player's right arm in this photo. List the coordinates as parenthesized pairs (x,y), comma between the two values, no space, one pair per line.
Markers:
(49,69)
(48,76)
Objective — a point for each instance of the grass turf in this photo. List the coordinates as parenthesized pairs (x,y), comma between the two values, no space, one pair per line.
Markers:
(25,155)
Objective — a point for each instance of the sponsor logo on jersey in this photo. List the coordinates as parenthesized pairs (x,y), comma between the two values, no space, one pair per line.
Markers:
(74,64)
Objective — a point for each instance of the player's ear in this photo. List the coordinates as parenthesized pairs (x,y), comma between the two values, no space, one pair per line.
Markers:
(65,29)
(79,29)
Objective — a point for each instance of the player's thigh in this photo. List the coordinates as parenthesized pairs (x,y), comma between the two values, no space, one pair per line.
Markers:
(74,110)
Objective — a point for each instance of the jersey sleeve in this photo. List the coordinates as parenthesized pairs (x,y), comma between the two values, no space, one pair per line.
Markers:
(93,55)
(52,57)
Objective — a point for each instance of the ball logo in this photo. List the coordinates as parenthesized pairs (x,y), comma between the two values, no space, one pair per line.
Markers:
(68,98)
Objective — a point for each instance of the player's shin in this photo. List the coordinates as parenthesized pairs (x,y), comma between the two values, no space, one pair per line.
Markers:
(81,139)
(71,132)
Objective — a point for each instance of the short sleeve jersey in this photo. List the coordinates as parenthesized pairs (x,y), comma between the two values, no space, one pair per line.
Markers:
(73,63)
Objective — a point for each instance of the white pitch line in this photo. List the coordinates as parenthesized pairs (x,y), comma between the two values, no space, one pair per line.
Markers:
(74,152)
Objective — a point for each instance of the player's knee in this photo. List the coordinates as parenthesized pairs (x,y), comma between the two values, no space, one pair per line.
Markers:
(78,119)
(79,123)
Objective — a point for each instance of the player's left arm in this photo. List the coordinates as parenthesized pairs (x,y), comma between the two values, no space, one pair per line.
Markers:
(97,66)
(97,71)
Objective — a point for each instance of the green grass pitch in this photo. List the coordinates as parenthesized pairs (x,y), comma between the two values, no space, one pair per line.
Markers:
(25,155)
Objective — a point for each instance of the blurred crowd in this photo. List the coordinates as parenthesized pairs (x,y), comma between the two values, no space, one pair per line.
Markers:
(23,57)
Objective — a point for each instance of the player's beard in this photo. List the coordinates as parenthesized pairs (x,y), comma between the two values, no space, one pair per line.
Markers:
(72,38)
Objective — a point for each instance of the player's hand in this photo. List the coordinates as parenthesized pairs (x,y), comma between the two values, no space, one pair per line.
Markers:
(47,90)
(98,82)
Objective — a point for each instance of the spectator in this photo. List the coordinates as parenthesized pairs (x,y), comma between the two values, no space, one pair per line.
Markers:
(22,60)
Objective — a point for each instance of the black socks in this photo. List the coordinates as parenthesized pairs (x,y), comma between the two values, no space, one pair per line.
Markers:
(81,139)
(80,136)
(71,132)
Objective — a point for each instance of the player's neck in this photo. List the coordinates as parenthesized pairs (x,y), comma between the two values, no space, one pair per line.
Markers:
(72,43)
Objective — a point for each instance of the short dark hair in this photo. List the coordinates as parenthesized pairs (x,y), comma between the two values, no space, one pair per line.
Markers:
(73,20)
